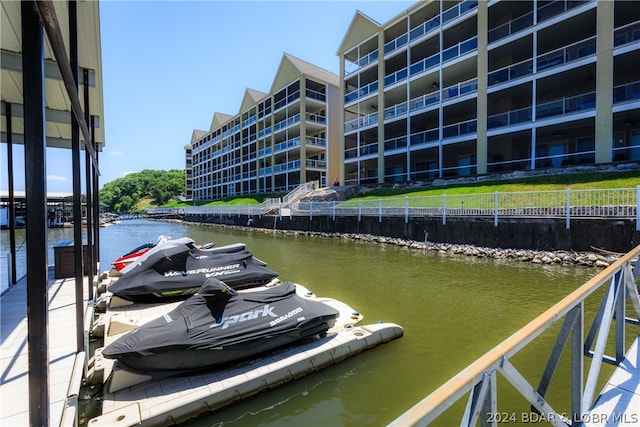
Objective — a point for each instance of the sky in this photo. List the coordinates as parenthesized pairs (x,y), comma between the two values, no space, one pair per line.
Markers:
(168,66)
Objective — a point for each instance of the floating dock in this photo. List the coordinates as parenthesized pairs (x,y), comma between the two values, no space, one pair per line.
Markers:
(137,399)
(66,366)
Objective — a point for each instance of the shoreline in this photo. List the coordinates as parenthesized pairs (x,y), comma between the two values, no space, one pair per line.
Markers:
(560,257)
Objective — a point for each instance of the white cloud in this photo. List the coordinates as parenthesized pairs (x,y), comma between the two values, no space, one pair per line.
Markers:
(116,153)
(57,178)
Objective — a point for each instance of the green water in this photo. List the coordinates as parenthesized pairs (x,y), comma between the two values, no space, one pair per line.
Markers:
(453,309)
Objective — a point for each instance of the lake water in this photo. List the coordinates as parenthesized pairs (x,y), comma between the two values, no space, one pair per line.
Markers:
(453,309)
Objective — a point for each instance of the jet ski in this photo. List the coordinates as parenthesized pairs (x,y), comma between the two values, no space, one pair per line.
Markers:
(133,255)
(175,269)
(218,326)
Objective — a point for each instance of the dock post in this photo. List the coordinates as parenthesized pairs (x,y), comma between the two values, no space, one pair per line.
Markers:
(36,229)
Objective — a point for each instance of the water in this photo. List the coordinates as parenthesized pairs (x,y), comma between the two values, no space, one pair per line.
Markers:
(452,309)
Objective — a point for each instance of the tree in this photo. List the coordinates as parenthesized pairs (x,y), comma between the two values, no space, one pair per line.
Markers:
(123,194)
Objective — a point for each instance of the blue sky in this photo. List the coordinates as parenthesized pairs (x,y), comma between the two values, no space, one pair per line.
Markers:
(168,66)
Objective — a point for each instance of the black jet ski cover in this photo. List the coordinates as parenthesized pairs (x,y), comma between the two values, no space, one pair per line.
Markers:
(219,326)
(175,271)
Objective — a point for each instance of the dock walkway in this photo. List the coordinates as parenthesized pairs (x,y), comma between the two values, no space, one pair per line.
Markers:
(619,403)
(65,366)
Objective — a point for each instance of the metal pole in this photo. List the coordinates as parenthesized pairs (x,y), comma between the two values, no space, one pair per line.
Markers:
(334,210)
(88,185)
(568,213)
(379,210)
(36,198)
(638,208)
(96,201)
(311,211)
(12,208)
(359,209)
(444,209)
(495,209)
(406,209)
(77,211)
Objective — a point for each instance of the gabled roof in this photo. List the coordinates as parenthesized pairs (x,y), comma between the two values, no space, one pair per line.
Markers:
(251,98)
(197,135)
(361,27)
(218,120)
(291,68)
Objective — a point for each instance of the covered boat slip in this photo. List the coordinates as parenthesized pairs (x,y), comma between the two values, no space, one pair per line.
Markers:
(65,366)
(136,398)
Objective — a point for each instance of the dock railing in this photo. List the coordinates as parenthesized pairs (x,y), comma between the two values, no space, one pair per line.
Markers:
(478,380)
(621,203)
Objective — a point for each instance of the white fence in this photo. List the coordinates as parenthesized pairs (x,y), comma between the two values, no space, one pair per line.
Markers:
(622,203)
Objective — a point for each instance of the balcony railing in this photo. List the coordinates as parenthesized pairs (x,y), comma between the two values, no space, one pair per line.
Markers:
(460,49)
(567,105)
(369,149)
(284,167)
(314,94)
(396,43)
(352,67)
(316,164)
(460,89)
(425,137)
(265,132)
(287,100)
(363,121)
(626,92)
(396,77)
(286,123)
(316,141)
(424,101)
(265,171)
(515,25)
(317,118)
(569,53)
(509,118)
(459,129)
(395,143)
(629,33)
(425,64)
(395,110)
(264,152)
(285,145)
(555,8)
(362,92)
(510,72)
(424,28)
(458,10)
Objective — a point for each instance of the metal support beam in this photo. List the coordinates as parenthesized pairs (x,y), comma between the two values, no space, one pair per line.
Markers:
(47,14)
(77,208)
(36,197)
(88,185)
(577,363)
(96,205)
(12,208)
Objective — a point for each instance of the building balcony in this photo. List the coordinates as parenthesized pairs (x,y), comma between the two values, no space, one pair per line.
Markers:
(460,49)
(567,105)
(426,27)
(511,72)
(395,111)
(556,8)
(285,167)
(458,10)
(396,77)
(367,90)
(315,141)
(424,101)
(459,129)
(626,92)
(509,118)
(286,101)
(396,43)
(368,120)
(318,118)
(460,89)
(315,95)
(264,152)
(567,54)
(352,67)
(316,164)
(425,64)
(395,143)
(286,123)
(512,27)
(627,34)
(286,145)
(426,137)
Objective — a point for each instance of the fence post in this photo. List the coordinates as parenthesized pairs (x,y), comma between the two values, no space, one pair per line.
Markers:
(568,220)
(495,209)
(334,211)
(311,211)
(406,209)
(379,210)
(359,209)
(638,208)
(444,209)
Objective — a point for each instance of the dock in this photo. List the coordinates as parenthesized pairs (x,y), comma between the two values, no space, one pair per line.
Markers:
(619,402)
(137,399)
(66,366)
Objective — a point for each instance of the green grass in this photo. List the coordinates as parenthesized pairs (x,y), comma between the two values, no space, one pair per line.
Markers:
(584,181)
(575,181)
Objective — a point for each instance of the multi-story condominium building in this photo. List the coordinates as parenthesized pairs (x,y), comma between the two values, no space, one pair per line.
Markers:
(277,141)
(456,88)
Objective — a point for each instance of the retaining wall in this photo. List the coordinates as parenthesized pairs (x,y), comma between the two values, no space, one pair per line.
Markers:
(540,234)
